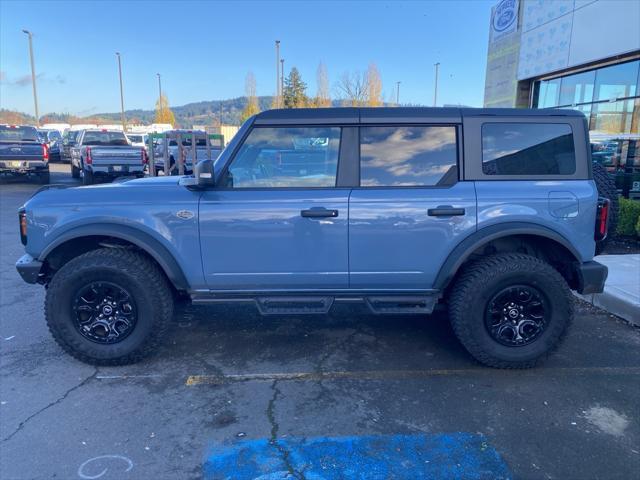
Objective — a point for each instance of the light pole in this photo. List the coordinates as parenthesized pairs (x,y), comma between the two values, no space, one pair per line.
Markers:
(278,73)
(33,76)
(398,94)
(282,79)
(435,90)
(160,98)
(124,126)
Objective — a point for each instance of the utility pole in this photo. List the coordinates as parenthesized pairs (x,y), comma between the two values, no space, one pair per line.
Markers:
(435,90)
(160,97)
(124,125)
(33,76)
(282,79)
(398,94)
(278,93)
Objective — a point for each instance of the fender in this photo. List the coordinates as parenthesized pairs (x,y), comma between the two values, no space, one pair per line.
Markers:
(142,240)
(463,250)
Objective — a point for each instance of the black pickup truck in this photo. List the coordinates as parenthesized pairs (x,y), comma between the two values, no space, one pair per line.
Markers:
(21,152)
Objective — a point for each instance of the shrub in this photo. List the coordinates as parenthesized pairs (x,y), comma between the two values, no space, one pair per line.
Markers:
(638,227)
(629,214)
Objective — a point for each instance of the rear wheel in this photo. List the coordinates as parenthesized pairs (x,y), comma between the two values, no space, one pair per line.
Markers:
(44,177)
(75,171)
(607,189)
(108,307)
(87,177)
(510,310)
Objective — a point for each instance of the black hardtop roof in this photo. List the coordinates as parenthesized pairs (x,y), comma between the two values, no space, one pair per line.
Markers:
(346,115)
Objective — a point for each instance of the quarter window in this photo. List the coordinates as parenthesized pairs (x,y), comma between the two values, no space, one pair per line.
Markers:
(273,157)
(407,155)
(527,149)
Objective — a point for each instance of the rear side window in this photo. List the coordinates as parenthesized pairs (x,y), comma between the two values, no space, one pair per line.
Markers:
(105,138)
(407,156)
(528,149)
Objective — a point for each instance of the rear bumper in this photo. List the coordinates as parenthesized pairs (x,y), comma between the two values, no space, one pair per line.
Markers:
(22,166)
(591,277)
(116,170)
(29,268)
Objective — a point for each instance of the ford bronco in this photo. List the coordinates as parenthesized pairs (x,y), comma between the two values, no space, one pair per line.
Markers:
(492,214)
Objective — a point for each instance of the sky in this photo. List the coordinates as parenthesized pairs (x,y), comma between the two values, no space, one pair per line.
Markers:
(204,49)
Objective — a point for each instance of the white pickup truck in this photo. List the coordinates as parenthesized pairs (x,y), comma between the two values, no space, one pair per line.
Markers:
(105,154)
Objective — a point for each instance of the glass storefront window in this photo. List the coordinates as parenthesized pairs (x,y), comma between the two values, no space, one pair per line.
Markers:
(577,88)
(617,81)
(548,93)
(613,117)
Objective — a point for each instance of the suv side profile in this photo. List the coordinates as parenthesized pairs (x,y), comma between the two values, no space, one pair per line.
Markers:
(492,213)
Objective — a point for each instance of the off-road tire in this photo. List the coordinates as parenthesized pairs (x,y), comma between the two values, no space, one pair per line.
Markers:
(476,285)
(75,171)
(87,177)
(607,189)
(44,177)
(142,279)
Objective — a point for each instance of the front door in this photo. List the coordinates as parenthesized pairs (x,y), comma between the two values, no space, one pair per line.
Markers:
(410,210)
(276,219)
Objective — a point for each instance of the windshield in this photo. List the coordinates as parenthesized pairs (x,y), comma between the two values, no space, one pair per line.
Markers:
(105,138)
(18,134)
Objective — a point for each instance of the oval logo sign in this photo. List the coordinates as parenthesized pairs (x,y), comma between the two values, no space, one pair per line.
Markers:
(504,15)
(185,214)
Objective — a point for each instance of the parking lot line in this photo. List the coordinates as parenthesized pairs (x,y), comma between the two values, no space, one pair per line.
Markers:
(193,380)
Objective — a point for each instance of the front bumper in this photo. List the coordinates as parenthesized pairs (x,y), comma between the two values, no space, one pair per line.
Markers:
(29,268)
(591,277)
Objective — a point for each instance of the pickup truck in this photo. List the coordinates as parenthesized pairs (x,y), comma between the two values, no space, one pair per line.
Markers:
(174,152)
(23,153)
(490,214)
(105,154)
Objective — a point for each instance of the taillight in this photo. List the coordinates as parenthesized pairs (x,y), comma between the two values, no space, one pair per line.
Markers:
(145,159)
(87,156)
(602,219)
(45,152)
(22,216)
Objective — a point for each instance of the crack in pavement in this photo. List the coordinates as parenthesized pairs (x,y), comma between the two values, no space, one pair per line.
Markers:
(273,440)
(56,402)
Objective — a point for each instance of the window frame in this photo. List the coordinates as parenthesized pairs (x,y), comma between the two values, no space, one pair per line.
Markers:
(473,147)
(450,182)
(340,170)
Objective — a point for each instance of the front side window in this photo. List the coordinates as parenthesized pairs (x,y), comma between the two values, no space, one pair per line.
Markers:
(527,149)
(276,157)
(406,156)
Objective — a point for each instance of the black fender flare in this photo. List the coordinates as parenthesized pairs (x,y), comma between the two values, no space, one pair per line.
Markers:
(466,247)
(142,240)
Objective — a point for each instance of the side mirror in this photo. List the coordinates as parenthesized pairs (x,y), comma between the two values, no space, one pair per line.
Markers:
(204,173)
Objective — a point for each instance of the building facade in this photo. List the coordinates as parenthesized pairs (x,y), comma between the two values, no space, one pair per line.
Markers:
(580,54)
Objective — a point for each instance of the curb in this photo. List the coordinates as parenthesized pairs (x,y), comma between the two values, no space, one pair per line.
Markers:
(615,301)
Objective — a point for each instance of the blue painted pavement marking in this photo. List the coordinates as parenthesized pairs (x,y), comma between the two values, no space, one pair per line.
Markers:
(438,456)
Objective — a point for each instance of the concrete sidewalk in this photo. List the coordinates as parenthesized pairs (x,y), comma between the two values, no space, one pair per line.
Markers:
(621,294)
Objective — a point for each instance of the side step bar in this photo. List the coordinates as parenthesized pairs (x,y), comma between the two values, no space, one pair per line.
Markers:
(311,303)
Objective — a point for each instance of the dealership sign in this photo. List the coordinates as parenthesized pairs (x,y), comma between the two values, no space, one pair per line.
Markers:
(504,19)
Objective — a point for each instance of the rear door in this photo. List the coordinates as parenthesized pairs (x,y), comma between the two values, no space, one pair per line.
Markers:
(410,209)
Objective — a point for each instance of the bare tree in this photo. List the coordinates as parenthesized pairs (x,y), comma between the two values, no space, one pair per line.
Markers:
(353,89)
(252,100)
(374,86)
(323,98)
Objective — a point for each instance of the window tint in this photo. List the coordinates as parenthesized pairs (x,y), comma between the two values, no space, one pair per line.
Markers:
(286,157)
(406,156)
(18,134)
(105,138)
(527,149)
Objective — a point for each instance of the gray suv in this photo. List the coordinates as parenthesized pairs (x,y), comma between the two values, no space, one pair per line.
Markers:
(490,213)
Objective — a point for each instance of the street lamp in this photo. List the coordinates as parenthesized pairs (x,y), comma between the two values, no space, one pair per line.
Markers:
(278,74)
(33,76)
(282,80)
(160,97)
(435,90)
(398,94)
(124,126)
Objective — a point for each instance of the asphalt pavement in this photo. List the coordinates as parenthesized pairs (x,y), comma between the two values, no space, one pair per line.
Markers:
(231,394)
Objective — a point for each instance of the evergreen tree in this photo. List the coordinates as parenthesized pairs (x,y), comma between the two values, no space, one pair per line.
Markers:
(295,89)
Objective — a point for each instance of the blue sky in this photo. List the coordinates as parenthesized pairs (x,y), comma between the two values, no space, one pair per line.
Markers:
(205,49)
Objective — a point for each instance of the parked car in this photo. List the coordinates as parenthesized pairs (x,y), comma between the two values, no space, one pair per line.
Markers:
(104,155)
(22,153)
(492,213)
(68,141)
(53,139)
(138,139)
(174,151)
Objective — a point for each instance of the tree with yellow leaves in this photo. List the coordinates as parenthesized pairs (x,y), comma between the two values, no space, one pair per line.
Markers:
(252,106)
(163,112)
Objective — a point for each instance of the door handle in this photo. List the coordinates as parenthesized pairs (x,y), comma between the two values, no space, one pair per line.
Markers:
(318,213)
(445,211)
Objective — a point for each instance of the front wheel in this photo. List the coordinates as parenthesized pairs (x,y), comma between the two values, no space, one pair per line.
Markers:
(109,306)
(510,310)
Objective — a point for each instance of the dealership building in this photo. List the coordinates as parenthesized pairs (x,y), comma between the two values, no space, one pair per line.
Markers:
(580,54)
